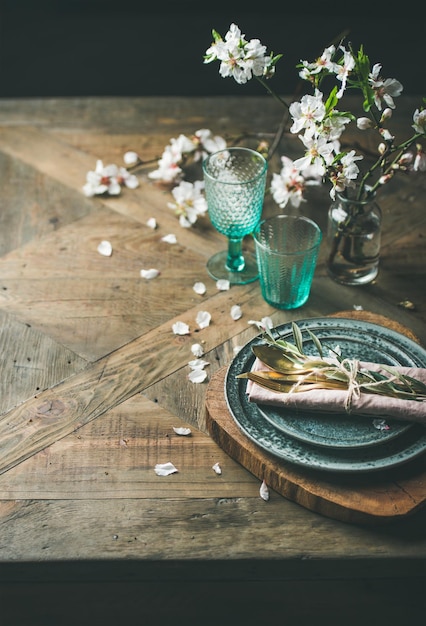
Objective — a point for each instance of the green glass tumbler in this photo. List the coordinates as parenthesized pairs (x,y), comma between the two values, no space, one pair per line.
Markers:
(287,249)
(235,181)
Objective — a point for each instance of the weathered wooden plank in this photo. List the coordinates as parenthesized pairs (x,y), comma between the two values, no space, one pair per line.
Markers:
(212,529)
(33,205)
(31,362)
(113,458)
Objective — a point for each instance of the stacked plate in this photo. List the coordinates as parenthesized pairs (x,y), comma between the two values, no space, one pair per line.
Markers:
(321,441)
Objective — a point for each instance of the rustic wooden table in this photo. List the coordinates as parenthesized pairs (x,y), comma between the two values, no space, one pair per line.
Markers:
(93,380)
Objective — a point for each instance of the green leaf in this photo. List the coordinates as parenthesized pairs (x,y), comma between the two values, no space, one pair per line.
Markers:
(316,342)
(297,337)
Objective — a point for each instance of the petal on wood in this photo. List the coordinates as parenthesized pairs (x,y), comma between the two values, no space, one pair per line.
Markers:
(180,328)
(203,319)
(164,469)
(105,248)
(181,430)
(197,376)
(197,350)
(149,274)
(264,491)
(152,223)
(223,285)
(169,238)
(236,312)
(216,468)
(200,288)
(198,364)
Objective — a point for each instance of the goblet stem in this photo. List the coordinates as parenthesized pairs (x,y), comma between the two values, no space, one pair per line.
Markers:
(235,261)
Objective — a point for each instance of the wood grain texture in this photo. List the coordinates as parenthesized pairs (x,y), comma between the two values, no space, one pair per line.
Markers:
(84,421)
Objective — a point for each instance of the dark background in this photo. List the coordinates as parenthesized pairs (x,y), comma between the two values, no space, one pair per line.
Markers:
(137,47)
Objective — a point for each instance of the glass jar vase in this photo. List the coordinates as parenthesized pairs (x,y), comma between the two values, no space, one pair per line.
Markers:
(353,234)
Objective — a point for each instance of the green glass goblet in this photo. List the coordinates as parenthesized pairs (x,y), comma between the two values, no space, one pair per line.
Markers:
(235,181)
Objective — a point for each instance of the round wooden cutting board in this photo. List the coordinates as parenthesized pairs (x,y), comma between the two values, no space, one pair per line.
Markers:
(367,498)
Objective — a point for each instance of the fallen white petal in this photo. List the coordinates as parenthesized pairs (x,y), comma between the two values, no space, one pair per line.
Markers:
(180,328)
(105,248)
(198,364)
(182,431)
(152,223)
(151,273)
(264,491)
(197,350)
(216,468)
(380,424)
(197,376)
(223,285)
(358,307)
(203,319)
(169,238)
(200,288)
(236,312)
(265,322)
(164,469)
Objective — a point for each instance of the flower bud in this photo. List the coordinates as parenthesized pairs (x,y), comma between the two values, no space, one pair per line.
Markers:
(420,162)
(363,123)
(386,134)
(130,158)
(387,114)
(406,158)
(381,148)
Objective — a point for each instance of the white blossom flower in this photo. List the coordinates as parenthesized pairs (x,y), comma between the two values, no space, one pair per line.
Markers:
(240,59)
(168,170)
(346,173)
(307,113)
(208,143)
(316,120)
(319,152)
(288,186)
(102,180)
(343,69)
(384,89)
(324,62)
(190,201)
(419,119)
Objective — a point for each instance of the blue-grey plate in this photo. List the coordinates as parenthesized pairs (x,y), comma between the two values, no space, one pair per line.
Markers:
(349,446)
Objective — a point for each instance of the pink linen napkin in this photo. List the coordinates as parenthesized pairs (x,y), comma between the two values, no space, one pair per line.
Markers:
(321,400)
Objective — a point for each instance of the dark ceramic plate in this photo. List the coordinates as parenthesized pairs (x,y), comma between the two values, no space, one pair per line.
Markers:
(324,442)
